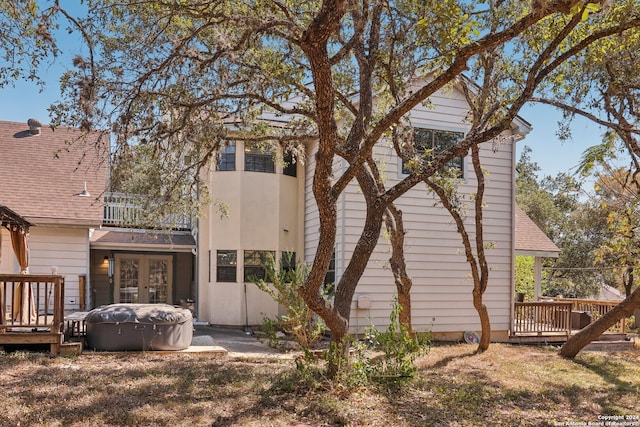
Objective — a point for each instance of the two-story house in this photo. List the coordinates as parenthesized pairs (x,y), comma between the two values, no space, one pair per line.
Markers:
(272,211)
(80,229)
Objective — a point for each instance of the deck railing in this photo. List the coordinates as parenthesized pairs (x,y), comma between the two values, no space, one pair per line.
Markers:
(128,211)
(595,309)
(542,318)
(31,309)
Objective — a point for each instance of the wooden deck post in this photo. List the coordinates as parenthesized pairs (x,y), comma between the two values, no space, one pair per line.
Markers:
(82,288)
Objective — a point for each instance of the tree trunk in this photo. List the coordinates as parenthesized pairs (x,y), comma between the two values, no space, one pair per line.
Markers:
(478,262)
(577,342)
(628,282)
(485,322)
(395,227)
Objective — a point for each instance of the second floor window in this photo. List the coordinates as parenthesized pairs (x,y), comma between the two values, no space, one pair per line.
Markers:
(428,142)
(290,167)
(258,159)
(227,157)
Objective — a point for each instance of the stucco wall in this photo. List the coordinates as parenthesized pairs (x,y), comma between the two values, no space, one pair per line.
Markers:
(264,212)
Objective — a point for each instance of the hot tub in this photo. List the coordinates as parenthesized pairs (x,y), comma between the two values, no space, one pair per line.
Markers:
(138,327)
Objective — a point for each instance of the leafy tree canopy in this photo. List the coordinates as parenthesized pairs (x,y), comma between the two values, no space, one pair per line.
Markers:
(185,76)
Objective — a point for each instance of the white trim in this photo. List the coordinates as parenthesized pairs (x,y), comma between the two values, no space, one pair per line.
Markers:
(427,126)
(542,254)
(151,247)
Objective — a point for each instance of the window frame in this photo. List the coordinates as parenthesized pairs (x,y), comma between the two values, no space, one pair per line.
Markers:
(329,281)
(233,264)
(258,159)
(457,162)
(290,166)
(227,157)
(288,262)
(255,270)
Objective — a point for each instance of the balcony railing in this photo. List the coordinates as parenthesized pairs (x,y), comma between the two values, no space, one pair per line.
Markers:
(121,210)
(31,309)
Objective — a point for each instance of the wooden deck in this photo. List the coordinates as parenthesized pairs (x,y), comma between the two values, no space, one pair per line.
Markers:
(32,310)
(555,321)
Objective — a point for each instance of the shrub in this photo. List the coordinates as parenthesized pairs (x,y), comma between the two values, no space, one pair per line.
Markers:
(386,357)
(299,321)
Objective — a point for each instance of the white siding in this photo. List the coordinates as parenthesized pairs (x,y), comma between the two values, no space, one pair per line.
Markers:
(8,263)
(65,248)
(311,219)
(441,294)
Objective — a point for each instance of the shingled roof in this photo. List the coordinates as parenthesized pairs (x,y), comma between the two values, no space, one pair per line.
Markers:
(42,175)
(530,240)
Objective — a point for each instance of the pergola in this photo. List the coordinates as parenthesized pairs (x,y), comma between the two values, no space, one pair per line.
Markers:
(12,221)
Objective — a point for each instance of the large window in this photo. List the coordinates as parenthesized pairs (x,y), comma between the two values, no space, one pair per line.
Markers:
(227,262)
(428,142)
(227,157)
(258,158)
(254,262)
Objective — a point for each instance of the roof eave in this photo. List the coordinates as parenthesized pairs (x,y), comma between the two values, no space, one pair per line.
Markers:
(533,252)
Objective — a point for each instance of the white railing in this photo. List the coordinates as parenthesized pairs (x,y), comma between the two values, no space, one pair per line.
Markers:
(123,210)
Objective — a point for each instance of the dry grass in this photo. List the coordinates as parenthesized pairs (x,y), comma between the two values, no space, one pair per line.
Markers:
(507,386)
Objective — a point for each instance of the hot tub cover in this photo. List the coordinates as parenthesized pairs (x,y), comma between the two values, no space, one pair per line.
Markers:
(139,327)
(153,314)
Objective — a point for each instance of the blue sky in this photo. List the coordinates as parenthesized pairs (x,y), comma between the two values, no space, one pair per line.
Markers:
(24,101)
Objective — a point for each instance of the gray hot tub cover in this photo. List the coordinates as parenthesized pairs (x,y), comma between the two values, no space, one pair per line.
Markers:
(151,314)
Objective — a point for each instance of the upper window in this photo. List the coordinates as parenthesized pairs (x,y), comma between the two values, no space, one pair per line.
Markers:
(254,262)
(290,167)
(227,157)
(430,141)
(226,269)
(258,158)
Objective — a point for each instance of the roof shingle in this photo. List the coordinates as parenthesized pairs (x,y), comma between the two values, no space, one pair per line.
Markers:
(41,175)
(530,240)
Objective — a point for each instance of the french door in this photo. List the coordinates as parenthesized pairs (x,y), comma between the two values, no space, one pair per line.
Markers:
(143,278)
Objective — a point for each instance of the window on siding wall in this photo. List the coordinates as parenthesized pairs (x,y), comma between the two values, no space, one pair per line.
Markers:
(330,277)
(430,141)
(227,159)
(258,158)
(227,266)
(290,165)
(254,262)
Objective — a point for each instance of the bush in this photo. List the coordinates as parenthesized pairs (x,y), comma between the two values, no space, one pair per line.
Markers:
(299,322)
(524,276)
(399,349)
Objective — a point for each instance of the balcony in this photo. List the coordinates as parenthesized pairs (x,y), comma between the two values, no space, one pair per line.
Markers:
(121,210)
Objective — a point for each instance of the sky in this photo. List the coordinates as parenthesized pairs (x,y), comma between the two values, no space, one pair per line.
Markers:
(26,100)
